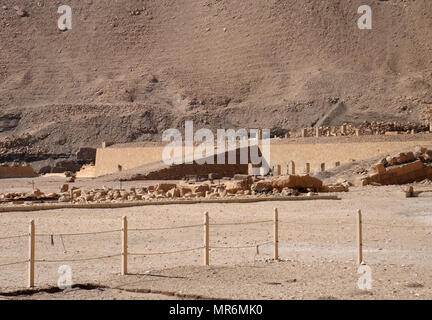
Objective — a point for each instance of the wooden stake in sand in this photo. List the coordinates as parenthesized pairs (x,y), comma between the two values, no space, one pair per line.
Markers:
(359,238)
(31,261)
(206,239)
(276,234)
(124,240)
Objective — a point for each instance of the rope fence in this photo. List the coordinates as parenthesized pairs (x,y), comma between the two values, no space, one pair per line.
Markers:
(242,247)
(15,237)
(164,253)
(396,226)
(13,263)
(206,247)
(76,234)
(77,260)
(315,224)
(168,228)
(240,223)
(353,223)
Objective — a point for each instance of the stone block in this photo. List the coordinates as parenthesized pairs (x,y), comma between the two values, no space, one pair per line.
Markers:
(164,187)
(297,182)
(262,186)
(379,168)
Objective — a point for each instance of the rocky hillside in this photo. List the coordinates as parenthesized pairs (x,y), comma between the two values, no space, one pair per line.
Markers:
(130,69)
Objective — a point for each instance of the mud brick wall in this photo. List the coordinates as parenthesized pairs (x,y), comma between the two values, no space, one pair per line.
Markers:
(329,153)
(108,159)
(176,172)
(17,172)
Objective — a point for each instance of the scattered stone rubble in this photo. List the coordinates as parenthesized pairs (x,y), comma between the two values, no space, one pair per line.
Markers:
(26,148)
(405,167)
(240,186)
(22,148)
(12,142)
(365,128)
(21,197)
(139,11)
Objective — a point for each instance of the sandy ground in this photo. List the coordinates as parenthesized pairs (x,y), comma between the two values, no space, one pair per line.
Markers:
(317,249)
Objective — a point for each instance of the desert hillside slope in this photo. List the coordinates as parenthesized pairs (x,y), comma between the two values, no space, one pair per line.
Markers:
(121,77)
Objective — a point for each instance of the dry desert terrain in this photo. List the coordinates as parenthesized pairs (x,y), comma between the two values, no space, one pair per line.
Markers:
(317,249)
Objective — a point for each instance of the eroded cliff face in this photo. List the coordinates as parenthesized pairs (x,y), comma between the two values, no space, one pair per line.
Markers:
(127,70)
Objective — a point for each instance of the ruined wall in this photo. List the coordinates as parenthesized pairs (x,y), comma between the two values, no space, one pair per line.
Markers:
(87,171)
(406,173)
(329,153)
(108,159)
(405,167)
(7,171)
(177,172)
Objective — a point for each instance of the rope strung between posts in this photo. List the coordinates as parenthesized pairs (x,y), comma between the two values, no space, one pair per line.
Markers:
(315,224)
(13,263)
(168,228)
(76,260)
(242,247)
(14,237)
(75,234)
(395,226)
(348,223)
(240,223)
(163,253)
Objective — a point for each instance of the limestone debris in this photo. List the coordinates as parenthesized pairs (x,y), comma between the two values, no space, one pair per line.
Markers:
(242,186)
(402,168)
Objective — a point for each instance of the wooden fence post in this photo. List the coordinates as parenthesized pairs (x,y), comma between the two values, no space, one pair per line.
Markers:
(124,241)
(276,234)
(359,238)
(31,253)
(206,239)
